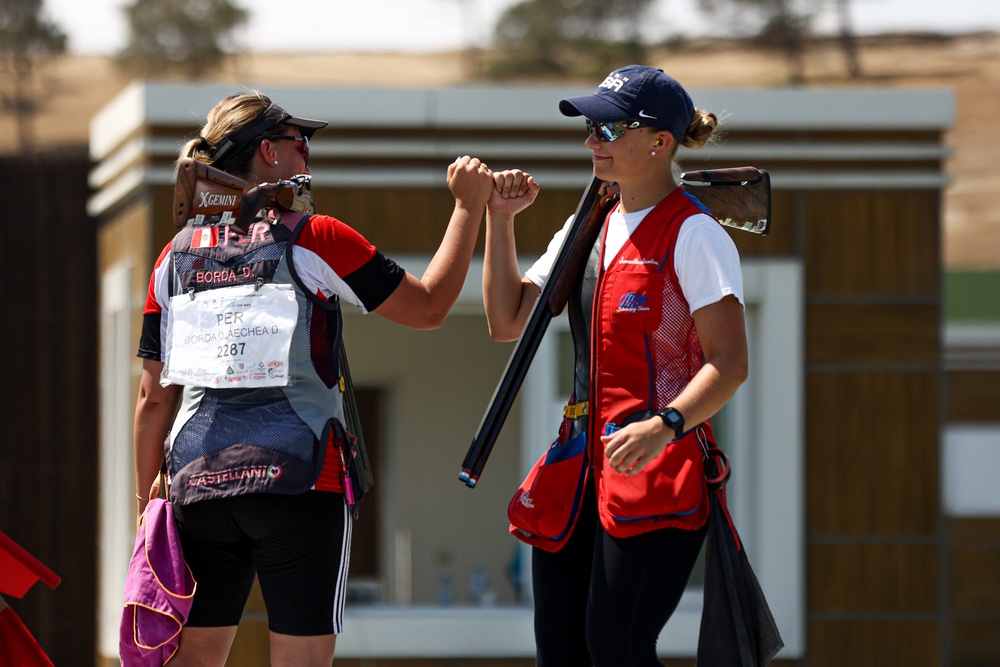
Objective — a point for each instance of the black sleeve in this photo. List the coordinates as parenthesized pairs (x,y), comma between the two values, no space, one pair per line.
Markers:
(149,338)
(375,280)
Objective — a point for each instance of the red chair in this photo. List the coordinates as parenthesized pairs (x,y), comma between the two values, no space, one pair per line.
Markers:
(19,571)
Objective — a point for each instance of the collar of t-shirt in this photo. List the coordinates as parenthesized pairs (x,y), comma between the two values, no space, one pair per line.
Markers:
(620,228)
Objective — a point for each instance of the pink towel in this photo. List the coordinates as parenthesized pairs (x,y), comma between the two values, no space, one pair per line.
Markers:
(159,590)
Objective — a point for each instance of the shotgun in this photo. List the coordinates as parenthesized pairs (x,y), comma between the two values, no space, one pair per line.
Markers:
(739,197)
(593,208)
(205,195)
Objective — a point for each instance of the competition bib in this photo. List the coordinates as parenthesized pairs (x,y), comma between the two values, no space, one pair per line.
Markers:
(231,338)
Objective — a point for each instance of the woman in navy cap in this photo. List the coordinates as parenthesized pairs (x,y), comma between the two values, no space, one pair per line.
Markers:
(257,451)
(660,343)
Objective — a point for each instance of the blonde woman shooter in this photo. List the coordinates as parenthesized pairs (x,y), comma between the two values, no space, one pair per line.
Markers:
(658,329)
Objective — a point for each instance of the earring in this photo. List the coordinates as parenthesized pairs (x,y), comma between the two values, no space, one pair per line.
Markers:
(275,162)
(652,153)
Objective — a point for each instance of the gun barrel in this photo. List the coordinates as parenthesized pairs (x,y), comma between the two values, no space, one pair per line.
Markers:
(566,270)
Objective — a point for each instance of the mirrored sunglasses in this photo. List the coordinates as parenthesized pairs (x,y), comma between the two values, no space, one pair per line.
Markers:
(301,143)
(612,131)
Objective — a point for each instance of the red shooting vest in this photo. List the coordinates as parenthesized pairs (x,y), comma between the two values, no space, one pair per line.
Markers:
(645,350)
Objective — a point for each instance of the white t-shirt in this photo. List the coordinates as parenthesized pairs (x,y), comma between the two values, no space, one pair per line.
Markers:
(705,258)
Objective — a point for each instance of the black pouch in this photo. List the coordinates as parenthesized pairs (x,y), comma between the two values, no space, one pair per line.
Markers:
(355,471)
(358,467)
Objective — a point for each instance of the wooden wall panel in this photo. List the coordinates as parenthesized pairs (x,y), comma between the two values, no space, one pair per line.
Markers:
(973,642)
(973,584)
(124,237)
(973,396)
(873,390)
(413,220)
(872,242)
(974,578)
(873,578)
(974,530)
(161,204)
(397,220)
(874,643)
(872,454)
(974,567)
(48,334)
(873,334)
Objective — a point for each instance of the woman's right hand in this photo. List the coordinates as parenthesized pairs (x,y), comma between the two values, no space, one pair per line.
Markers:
(471,182)
(513,191)
(508,299)
(424,303)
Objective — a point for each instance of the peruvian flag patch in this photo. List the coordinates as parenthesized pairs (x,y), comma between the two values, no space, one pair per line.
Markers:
(206,237)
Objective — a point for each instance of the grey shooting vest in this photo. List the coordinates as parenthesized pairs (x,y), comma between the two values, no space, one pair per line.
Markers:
(228,442)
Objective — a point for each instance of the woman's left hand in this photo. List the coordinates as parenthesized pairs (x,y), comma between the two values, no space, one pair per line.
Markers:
(514,191)
(633,447)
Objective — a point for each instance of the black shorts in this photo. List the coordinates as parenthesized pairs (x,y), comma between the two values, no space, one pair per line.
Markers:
(298,546)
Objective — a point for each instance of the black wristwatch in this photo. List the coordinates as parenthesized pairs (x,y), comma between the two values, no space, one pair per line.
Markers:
(673,419)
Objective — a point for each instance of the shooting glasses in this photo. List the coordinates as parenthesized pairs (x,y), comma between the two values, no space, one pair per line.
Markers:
(612,131)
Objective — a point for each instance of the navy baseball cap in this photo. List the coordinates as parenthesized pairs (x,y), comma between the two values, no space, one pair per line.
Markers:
(640,93)
(270,118)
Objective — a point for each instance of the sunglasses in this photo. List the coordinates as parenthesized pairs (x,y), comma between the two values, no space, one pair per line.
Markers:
(612,131)
(301,143)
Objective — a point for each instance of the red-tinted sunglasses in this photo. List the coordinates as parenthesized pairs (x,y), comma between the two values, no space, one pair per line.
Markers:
(301,143)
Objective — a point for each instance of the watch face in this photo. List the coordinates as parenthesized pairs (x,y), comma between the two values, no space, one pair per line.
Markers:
(673,419)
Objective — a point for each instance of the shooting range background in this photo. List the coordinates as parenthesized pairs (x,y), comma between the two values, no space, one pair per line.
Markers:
(49,500)
(969,64)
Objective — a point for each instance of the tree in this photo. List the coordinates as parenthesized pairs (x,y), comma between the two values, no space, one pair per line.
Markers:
(26,41)
(780,24)
(848,43)
(786,25)
(577,37)
(184,36)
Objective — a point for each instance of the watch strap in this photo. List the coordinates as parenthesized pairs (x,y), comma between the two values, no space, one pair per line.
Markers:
(673,419)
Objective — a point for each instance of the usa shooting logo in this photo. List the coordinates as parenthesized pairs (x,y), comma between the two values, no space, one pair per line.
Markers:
(633,302)
(614,81)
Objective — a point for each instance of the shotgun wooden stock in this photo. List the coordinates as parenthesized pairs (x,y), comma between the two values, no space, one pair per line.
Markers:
(202,190)
(593,208)
(219,198)
(740,197)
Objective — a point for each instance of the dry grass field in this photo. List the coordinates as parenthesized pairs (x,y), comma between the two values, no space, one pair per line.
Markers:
(969,64)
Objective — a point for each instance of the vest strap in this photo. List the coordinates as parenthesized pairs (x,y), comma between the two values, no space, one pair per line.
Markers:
(576,410)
